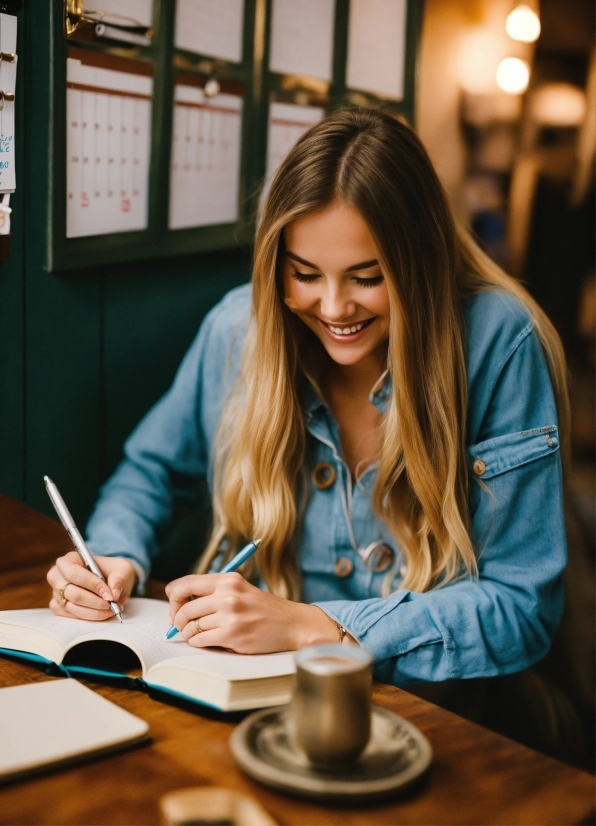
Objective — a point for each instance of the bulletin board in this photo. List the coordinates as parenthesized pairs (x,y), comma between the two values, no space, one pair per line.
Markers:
(170,116)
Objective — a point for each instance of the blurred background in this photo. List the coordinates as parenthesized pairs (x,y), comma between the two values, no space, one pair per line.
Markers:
(506,106)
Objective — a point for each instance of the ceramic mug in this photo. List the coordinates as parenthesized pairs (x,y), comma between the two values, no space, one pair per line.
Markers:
(331,704)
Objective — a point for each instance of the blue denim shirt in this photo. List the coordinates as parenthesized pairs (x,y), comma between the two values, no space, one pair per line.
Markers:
(498,623)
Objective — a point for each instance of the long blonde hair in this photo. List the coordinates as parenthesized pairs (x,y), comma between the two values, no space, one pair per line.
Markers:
(378,166)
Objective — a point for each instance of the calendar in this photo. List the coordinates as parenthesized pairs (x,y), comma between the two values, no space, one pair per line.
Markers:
(108,110)
(287,123)
(205,167)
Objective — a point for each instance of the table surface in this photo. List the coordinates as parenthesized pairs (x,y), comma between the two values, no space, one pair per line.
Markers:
(476,776)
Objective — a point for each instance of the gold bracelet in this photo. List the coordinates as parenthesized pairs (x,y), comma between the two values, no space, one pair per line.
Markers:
(341,631)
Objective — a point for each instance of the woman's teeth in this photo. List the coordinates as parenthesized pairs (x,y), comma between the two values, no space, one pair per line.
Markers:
(347,331)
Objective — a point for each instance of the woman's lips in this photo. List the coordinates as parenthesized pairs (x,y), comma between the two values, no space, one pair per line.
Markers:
(339,332)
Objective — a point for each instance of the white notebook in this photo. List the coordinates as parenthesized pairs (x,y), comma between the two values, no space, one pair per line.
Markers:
(59,722)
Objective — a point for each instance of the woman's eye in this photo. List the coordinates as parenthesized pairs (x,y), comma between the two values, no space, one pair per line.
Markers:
(304,277)
(370,282)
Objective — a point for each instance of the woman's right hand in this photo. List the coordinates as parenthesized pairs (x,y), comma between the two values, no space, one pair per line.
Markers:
(84,595)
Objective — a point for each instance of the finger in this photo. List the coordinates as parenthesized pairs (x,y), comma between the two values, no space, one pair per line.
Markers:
(78,612)
(117,580)
(78,574)
(192,610)
(54,577)
(79,596)
(215,638)
(206,623)
(180,590)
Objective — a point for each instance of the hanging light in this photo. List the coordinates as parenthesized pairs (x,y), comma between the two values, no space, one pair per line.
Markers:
(513,75)
(523,24)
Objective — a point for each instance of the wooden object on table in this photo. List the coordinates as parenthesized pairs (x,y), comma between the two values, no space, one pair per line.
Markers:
(213,805)
(476,776)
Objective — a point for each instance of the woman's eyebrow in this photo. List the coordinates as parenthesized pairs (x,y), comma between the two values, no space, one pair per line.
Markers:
(301,260)
(363,265)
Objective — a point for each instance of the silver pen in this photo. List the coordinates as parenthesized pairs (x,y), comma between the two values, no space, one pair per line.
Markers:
(77,539)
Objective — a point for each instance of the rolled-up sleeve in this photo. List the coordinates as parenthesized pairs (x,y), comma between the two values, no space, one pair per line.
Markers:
(504,620)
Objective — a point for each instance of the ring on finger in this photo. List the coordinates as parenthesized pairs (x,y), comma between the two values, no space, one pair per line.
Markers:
(63,599)
(198,626)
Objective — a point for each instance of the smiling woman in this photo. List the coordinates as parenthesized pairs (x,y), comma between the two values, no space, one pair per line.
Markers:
(381,407)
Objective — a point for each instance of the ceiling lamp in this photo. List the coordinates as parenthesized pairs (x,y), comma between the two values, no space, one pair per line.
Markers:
(513,75)
(523,24)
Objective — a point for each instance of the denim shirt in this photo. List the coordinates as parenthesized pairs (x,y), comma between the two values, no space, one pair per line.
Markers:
(500,622)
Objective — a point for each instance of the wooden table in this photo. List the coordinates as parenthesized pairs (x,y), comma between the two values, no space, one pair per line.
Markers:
(476,776)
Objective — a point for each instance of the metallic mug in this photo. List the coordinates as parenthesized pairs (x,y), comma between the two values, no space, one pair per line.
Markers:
(331,704)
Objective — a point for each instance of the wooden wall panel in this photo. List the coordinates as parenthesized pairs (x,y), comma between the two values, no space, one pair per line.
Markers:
(151,314)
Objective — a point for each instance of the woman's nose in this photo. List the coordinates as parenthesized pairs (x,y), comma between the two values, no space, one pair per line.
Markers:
(336,304)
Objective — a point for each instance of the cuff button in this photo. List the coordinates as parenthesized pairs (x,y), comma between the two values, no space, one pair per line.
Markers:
(479,467)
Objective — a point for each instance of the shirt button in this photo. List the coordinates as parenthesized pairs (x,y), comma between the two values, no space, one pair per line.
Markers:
(479,467)
(323,475)
(344,566)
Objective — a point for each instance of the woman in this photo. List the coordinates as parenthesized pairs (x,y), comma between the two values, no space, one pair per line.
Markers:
(379,411)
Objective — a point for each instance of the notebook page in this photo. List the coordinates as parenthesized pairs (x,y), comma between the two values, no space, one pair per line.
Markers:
(143,629)
(144,626)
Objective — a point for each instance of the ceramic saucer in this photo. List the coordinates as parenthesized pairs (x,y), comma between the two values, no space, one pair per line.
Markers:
(397,753)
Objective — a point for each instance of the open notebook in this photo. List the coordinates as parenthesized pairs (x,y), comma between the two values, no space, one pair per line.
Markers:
(228,682)
(58,722)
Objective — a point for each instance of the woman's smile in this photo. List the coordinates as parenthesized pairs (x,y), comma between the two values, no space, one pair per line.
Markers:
(346,333)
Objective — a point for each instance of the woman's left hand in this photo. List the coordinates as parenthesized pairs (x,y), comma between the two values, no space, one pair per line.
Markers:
(231,613)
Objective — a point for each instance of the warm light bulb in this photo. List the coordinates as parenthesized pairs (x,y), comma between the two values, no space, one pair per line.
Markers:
(523,24)
(513,75)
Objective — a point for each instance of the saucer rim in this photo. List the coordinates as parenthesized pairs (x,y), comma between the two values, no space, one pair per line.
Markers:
(322,786)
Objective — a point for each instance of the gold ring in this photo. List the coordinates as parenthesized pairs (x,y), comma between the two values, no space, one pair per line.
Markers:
(198,627)
(63,599)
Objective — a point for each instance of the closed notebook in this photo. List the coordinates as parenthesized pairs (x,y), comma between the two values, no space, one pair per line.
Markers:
(213,677)
(57,722)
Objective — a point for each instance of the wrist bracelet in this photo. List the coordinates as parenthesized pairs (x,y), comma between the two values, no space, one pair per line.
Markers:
(341,631)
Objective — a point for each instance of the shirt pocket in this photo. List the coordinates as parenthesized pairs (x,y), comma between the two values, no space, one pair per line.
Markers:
(495,456)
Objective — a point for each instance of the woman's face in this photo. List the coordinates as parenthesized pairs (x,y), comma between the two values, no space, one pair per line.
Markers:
(333,282)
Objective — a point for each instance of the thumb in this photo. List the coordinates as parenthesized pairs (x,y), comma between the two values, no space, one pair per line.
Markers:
(116,583)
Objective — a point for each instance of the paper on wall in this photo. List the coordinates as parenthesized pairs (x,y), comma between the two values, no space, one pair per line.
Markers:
(205,168)
(8,80)
(377,47)
(210,27)
(108,143)
(287,123)
(302,37)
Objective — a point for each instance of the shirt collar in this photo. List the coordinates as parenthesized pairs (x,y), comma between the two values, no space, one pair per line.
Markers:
(380,393)
(311,402)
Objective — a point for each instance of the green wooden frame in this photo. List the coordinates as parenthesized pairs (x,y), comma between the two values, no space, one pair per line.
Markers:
(261,86)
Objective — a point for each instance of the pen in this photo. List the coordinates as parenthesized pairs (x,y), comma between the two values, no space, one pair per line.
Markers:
(77,539)
(233,565)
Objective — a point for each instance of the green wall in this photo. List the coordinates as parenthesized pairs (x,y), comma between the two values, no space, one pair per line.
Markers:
(83,355)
